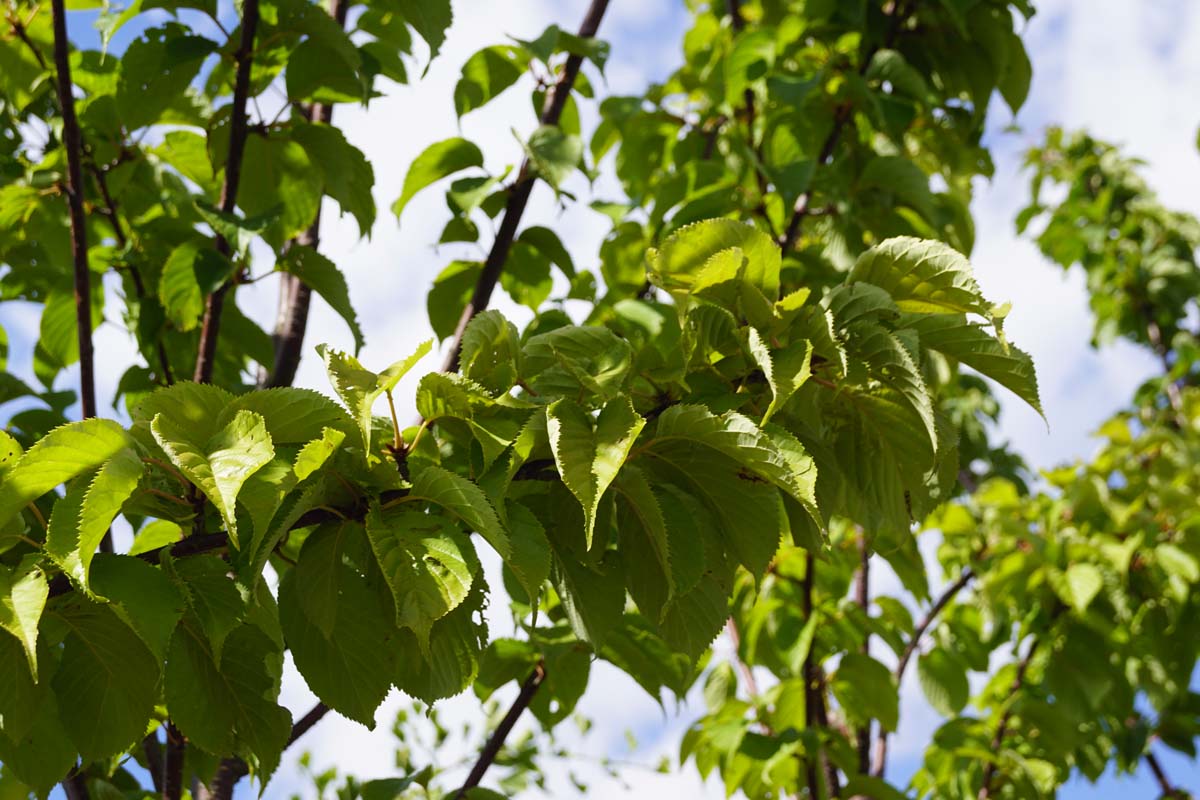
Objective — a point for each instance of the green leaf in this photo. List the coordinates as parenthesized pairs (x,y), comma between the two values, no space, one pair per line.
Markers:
(359,388)
(486,74)
(907,183)
(553,155)
(72,542)
(944,682)
(278,177)
(452,661)
(436,162)
(427,562)
(786,370)
(449,295)
(922,276)
(491,352)
(347,652)
(219,465)
(216,603)
(1080,585)
(347,173)
(970,343)
(865,690)
(192,270)
(644,542)
(22,698)
(530,559)
(108,678)
(23,593)
(321,275)
(57,457)
(231,708)
(590,451)
(142,596)
(293,415)
(430,19)
(43,754)
(678,262)
(462,499)
(568,360)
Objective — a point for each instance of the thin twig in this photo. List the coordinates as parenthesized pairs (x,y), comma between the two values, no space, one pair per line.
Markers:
(747,674)
(814,682)
(879,763)
(802,207)
(989,769)
(496,741)
(209,331)
(1160,775)
(862,597)
(518,195)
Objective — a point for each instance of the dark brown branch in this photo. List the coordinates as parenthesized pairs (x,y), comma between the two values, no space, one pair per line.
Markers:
(73,145)
(153,751)
(879,762)
(814,682)
(862,597)
(1160,775)
(989,769)
(518,195)
(495,742)
(295,298)
(206,354)
(306,722)
(172,778)
(75,785)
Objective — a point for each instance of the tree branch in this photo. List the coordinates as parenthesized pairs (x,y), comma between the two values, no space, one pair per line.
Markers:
(295,297)
(154,760)
(879,762)
(801,208)
(989,769)
(495,742)
(207,351)
(75,785)
(862,597)
(73,145)
(172,778)
(814,682)
(518,196)
(747,674)
(1160,775)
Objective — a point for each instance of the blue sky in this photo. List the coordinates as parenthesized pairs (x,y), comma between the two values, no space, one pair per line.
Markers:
(1115,67)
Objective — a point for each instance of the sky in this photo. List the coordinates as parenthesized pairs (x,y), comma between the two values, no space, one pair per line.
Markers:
(1129,72)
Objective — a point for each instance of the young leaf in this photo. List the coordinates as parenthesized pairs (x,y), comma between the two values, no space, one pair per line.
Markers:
(359,388)
(23,593)
(486,74)
(944,682)
(553,155)
(437,161)
(589,452)
(866,690)
(58,457)
(72,546)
